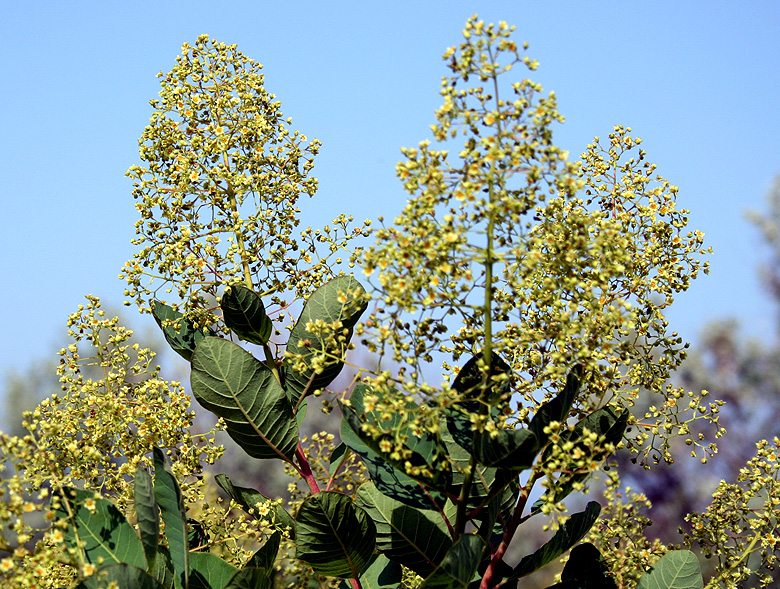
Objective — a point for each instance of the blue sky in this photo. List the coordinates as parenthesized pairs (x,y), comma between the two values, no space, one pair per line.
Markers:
(698,81)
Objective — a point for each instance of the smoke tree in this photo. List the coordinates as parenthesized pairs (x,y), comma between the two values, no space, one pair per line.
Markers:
(538,284)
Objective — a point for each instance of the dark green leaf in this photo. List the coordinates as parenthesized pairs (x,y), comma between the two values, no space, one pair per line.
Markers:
(163,568)
(208,571)
(388,477)
(495,489)
(266,556)
(171,502)
(244,314)
(229,381)
(248,499)
(333,535)
(126,576)
(677,569)
(196,534)
(148,515)
(565,538)
(180,333)
(337,458)
(300,414)
(251,578)
(381,573)
(338,304)
(604,422)
(585,569)
(106,534)
(514,449)
(558,408)
(470,378)
(458,567)
(416,538)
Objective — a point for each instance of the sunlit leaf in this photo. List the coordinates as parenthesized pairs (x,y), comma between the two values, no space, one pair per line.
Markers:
(678,569)
(230,382)
(338,304)
(106,535)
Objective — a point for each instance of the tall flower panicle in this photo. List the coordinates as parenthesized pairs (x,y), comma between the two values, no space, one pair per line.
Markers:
(219,187)
(505,247)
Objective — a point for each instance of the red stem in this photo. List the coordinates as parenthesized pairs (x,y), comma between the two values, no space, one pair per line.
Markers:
(305,470)
(509,533)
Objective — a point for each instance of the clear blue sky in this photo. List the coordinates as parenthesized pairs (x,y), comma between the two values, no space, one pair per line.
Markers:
(699,81)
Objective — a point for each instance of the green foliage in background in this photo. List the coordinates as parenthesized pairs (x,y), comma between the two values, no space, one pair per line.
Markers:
(538,284)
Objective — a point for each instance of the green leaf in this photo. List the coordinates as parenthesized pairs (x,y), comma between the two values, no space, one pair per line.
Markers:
(337,304)
(106,535)
(337,458)
(148,514)
(197,536)
(163,568)
(499,484)
(126,576)
(469,380)
(251,578)
(380,573)
(514,449)
(571,532)
(458,567)
(248,499)
(180,333)
(585,569)
(678,569)
(229,381)
(300,414)
(425,452)
(416,538)
(171,502)
(390,479)
(208,571)
(558,408)
(333,535)
(245,315)
(266,556)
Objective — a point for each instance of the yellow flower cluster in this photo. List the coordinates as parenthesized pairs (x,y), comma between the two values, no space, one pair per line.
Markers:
(112,410)
(218,190)
(506,247)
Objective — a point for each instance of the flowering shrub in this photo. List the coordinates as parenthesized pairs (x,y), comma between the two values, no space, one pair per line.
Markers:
(538,283)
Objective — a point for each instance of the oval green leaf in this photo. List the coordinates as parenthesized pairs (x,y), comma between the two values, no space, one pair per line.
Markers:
(171,502)
(458,567)
(569,534)
(208,571)
(179,332)
(147,513)
(251,578)
(126,576)
(230,382)
(244,313)
(106,535)
(334,535)
(416,538)
(389,479)
(678,569)
(336,306)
